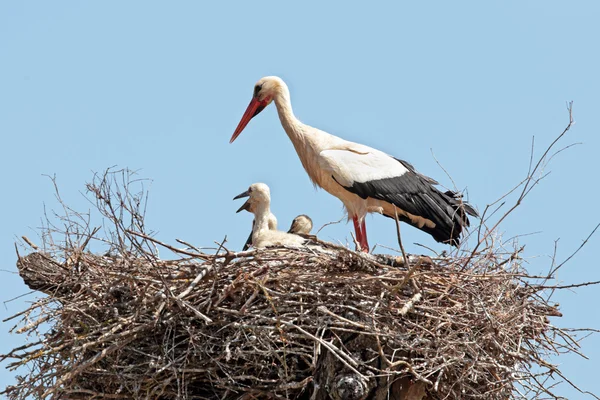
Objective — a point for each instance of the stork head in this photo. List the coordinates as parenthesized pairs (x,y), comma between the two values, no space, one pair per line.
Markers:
(264,92)
(258,195)
(301,224)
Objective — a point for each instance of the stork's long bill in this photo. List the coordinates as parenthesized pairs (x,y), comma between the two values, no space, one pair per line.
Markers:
(363,178)
(254,108)
(246,205)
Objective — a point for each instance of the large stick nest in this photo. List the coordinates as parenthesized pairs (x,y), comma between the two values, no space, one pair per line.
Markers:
(311,323)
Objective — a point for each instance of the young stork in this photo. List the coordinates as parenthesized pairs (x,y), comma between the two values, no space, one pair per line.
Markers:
(250,207)
(301,225)
(363,178)
(259,197)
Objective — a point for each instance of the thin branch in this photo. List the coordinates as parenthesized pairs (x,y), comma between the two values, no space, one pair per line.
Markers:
(173,249)
(575,252)
(529,182)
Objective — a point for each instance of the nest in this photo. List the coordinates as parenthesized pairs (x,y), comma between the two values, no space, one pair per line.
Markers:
(316,322)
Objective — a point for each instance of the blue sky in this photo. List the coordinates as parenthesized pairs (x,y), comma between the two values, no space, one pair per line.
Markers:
(160,88)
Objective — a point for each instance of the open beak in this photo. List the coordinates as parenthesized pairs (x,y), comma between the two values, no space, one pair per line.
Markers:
(254,108)
(246,205)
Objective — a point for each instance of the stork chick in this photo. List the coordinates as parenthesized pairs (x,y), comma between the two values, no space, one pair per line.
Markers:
(301,225)
(272,221)
(259,199)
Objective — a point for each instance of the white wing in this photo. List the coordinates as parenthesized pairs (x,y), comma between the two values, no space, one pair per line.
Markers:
(360,164)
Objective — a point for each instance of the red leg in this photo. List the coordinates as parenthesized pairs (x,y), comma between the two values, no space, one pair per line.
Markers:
(359,238)
(365,243)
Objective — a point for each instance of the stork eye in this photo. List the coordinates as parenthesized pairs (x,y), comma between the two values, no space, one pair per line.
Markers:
(257,89)
(250,189)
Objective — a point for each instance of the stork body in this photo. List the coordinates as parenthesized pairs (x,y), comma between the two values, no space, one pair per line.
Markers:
(363,178)
(259,203)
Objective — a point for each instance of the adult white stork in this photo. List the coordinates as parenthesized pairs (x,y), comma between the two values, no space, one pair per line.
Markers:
(363,178)
(262,236)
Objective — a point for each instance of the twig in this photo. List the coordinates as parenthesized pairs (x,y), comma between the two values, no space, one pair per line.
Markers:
(29,242)
(200,276)
(399,237)
(575,285)
(410,304)
(529,183)
(411,269)
(173,249)
(575,252)
(326,311)
(345,359)
(329,223)
(188,245)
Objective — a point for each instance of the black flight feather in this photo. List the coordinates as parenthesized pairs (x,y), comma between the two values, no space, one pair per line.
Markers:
(414,193)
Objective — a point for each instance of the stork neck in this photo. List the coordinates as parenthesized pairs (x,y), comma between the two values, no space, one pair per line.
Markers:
(261,218)
(306,140)
(291,124)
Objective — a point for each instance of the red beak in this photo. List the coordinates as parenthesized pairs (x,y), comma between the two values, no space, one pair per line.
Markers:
(254,108)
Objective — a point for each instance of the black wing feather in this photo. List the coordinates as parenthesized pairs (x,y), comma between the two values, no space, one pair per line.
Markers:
(249,240)
(414,193)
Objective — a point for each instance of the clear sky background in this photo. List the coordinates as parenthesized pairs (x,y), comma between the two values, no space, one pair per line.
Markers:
(159,87)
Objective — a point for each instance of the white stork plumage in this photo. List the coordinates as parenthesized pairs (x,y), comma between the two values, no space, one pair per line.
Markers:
(259,199)
(363,178)
(250,206)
